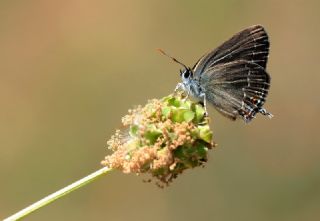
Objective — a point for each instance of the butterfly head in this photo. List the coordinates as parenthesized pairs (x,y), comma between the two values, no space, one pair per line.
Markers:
(186,75)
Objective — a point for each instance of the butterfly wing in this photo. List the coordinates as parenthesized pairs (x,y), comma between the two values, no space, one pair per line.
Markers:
(236,89)
(251,44)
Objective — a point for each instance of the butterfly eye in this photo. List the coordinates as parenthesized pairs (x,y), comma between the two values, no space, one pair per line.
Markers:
(186,74)
(180,72)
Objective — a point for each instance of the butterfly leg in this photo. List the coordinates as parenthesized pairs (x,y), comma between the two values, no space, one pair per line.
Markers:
(203,97)
(178,87)
(181,86)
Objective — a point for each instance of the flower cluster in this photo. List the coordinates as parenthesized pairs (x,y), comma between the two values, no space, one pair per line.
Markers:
(163,138)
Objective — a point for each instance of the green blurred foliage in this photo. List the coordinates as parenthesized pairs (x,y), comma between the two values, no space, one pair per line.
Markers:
(69,70)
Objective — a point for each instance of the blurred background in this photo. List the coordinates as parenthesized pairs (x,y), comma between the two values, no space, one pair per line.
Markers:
(69,70)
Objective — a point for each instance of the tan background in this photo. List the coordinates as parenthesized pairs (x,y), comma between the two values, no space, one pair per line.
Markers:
(70,69)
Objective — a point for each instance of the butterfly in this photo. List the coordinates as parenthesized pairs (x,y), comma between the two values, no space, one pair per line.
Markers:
(233,76)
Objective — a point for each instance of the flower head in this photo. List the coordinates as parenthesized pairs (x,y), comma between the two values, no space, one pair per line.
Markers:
(163,138)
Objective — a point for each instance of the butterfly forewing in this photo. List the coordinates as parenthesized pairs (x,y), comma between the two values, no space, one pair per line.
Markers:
(236,88)
(251,44)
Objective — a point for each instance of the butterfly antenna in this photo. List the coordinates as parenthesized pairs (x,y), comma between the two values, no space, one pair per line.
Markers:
(174,59)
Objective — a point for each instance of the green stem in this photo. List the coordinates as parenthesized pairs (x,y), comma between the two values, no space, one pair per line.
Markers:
(60,193)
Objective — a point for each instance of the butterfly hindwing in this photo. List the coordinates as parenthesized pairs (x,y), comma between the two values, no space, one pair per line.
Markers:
(237,88)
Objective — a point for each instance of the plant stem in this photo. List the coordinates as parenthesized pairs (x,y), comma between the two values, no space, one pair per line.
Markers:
(56,195)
